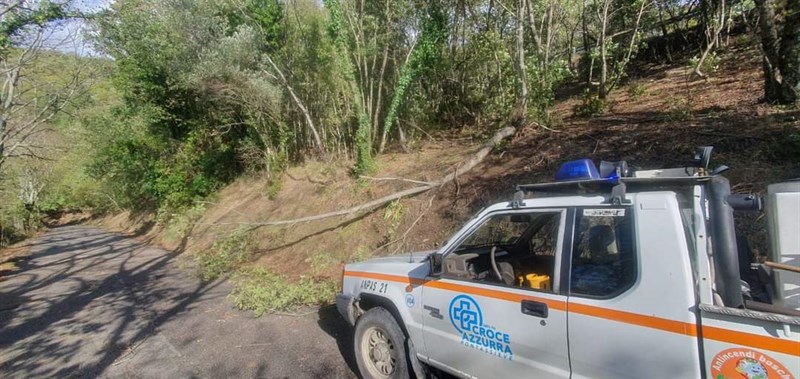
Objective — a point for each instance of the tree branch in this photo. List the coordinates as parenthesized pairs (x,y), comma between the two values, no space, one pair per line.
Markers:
(359,210)
(398,179)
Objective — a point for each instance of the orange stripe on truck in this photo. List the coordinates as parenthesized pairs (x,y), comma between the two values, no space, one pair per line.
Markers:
(495,294)
(653,322)
(785,346)
(684,328)
(502,295)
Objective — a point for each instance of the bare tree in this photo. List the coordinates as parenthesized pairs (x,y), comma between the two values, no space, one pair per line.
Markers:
(27,105)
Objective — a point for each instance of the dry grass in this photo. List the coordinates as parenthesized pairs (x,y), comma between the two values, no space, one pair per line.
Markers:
(12,256)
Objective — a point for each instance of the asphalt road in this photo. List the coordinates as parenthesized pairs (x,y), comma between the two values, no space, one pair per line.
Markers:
(88,303)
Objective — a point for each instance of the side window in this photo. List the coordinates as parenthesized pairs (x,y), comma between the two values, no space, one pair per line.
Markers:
(603,257)
(517,249)
(499,230)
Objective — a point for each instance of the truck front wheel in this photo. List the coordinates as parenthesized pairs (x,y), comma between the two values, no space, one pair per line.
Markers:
(380,346)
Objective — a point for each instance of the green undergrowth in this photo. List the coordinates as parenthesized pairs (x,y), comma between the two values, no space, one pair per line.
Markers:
(179,224)
(225,256)
(590,105)
(262,291)
(258,289)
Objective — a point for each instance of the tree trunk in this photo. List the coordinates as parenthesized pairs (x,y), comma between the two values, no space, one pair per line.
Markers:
(522,100)
(299,103)
(769,46)
(712,36)
(664,31)
(537,38)
(406,72)
(790,54)
(8,97)
(380,97)
(3,123)
(548,39)
(602,91)
(586,48)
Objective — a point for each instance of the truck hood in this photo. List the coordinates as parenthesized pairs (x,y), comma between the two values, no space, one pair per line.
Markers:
(415,257)
(413,264)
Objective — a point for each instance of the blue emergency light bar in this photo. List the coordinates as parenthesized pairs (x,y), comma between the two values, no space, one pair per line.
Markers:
(582,169)
(585,169)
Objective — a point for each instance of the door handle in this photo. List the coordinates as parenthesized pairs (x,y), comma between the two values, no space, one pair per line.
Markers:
(534,308)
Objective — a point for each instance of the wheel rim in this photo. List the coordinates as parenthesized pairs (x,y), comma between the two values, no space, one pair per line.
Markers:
(379,353)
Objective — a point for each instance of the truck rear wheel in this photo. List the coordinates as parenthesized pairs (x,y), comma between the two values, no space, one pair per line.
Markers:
(380,346)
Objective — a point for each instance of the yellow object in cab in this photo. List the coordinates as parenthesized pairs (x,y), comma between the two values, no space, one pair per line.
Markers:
(540,282)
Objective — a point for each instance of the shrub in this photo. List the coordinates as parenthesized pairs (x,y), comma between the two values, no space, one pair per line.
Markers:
(225,255)
(590,105)
(262,291)
(394,214)
(180,223)
(636,90)
(273,187)
(680,110)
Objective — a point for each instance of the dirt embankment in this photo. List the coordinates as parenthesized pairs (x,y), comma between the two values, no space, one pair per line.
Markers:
(653,121)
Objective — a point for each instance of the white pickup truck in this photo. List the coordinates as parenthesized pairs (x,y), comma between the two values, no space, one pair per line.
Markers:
(602,273)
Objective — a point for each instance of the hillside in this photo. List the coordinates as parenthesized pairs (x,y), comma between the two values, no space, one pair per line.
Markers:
(654,121)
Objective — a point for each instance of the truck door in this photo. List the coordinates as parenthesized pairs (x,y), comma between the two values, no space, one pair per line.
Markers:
(496,310)
(632,310)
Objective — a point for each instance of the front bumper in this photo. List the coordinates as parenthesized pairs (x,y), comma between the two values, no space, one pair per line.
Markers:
(345,304)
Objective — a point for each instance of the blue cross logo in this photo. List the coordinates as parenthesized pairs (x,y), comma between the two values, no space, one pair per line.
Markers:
(465,313)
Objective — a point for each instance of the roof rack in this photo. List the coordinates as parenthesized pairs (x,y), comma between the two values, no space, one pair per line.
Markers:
(617,187)
(583,176)
(598,185)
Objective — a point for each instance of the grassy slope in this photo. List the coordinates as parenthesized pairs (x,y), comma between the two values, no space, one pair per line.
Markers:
(657,128)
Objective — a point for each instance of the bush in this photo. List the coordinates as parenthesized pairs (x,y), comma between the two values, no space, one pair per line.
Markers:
(225,255)
(179,224)
(680,110)
(273,187)
(9,234)
(590,105)
(394,214)
(263,291)
(636,90)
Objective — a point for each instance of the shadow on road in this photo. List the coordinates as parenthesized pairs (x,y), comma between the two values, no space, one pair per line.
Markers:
(332,323)
(83,299)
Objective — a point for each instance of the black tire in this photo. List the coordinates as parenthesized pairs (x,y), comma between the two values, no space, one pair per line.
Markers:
(380,346)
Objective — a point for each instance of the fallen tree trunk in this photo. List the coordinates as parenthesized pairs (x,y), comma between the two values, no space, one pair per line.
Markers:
(357,211)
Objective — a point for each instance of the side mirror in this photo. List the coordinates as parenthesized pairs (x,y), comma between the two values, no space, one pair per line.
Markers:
(435,263)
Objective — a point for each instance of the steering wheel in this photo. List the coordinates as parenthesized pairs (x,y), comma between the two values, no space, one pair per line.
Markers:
(493,257)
